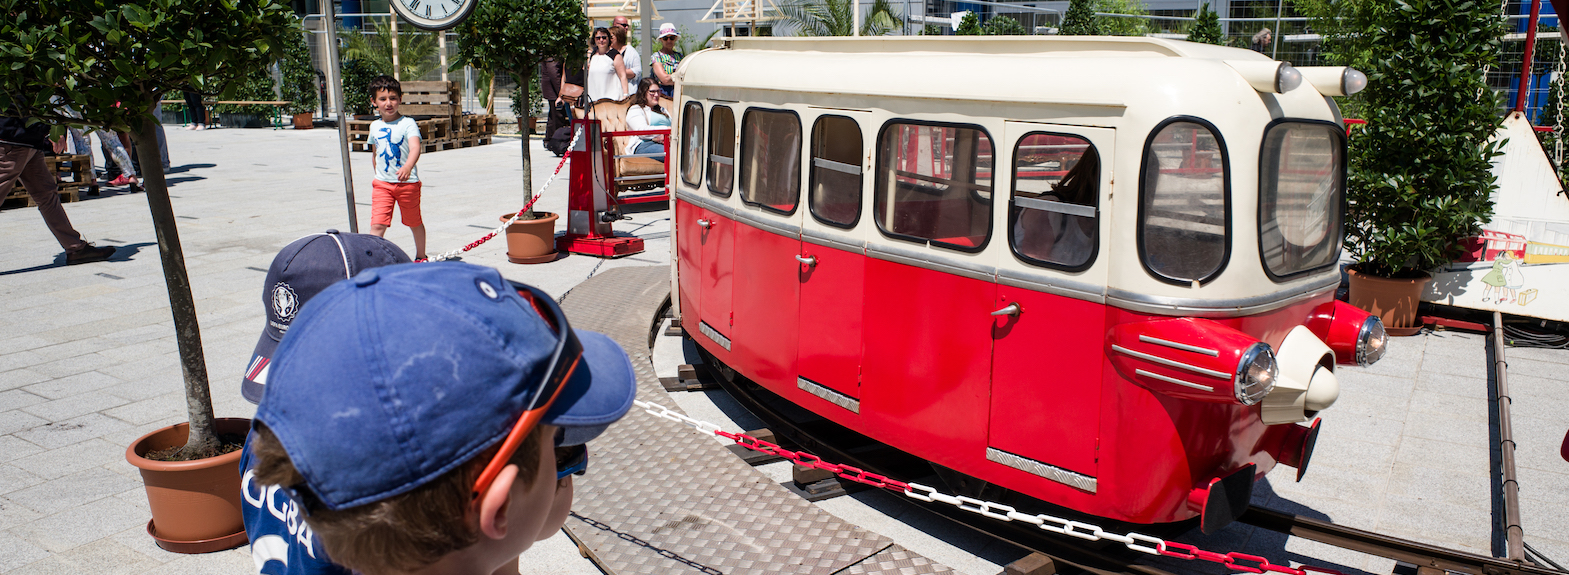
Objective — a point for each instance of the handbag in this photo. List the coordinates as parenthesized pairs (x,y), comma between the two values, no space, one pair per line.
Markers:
(571,91)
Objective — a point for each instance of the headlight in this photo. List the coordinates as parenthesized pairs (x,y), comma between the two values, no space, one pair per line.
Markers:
(1256,374)
(1371,340)
(1287,78)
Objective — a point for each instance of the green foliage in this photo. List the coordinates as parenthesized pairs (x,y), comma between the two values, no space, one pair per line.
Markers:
(1206,27)
(257,86)
(112,59)
(931,30)
(1081,19)
(1003,26)
(969,26)
(837,18)
(688,44)
(513,36)
(357,75)
(416,50)
(1123,26)
(299,75)
(1419,174)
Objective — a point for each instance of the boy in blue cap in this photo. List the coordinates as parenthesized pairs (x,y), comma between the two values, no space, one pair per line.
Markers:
(429,417)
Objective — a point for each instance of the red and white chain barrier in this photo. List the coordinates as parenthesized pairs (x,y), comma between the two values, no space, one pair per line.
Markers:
(526,206)
(1147,544)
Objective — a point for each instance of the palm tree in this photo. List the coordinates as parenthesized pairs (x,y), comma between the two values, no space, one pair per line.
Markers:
(837,18)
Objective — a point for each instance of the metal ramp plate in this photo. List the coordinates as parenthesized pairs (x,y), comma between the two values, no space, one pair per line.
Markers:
(660,497)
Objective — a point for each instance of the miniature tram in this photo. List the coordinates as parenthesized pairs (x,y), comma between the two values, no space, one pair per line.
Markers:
(1096,271)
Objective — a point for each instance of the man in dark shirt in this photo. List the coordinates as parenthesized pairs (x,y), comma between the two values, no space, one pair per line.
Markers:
(22,149)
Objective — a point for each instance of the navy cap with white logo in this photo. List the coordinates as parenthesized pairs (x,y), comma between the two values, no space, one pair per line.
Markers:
(298,273)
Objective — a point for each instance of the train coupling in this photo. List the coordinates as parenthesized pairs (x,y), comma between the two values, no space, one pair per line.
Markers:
(1223,499)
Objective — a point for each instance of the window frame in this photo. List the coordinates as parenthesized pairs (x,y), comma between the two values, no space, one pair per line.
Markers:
(1345,159)
(877,185)
(701,118)
(1225,171)
(741,161)
(733,168)
(811,176)
(1013,218)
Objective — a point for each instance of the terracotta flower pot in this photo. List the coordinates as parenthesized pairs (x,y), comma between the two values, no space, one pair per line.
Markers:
(302,121)
(195,504)
(1393,300)
(531,241)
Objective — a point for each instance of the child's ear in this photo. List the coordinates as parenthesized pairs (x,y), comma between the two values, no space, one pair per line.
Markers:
(494,501)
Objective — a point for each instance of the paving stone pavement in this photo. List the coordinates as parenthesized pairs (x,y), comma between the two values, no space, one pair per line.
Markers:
(88,363)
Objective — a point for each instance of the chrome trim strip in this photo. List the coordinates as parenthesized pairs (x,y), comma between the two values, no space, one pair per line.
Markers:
(1196,307)
(756,220)
(1181,346)
(1172,363)
(1052,472)
(833,240)
(851,169)
(1055,206)
(713,334)
(1052,284)
(1197,386)
(834,397)
(705,202)
(721,159)
(920,257)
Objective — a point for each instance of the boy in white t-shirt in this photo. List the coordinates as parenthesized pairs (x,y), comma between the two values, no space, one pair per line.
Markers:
(396,146)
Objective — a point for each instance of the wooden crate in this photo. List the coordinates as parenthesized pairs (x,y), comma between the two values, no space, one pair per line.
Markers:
(435,98)
(433,134)
(72,175)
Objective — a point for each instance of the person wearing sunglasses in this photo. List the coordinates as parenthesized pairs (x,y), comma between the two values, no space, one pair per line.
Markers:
(449,448)
(645,113)
(606,71)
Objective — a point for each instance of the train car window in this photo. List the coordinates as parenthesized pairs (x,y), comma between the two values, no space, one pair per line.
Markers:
(1184,224)
(934,184)
(1056,187)
(1301,190)
(771,160)
(721,154)
(836,171)
(692,140)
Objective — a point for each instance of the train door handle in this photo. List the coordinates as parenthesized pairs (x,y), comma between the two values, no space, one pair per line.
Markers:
(1013,309)
(809,261)
(705,224)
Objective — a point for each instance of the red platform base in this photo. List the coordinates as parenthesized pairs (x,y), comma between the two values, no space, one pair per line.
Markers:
(604,247)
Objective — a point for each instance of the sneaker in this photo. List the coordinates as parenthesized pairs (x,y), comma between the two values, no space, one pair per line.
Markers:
(89,254)
(200,127)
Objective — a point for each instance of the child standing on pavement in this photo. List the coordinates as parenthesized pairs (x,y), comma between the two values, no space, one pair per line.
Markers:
(396,149)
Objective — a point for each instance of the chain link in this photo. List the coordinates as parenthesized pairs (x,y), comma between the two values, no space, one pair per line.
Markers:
(1139,542)
(526,206)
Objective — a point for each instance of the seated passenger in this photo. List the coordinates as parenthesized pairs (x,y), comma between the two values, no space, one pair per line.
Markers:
(646,114)
(1056,237)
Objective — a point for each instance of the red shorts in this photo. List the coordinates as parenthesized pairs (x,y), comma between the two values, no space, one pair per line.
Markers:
(383,194)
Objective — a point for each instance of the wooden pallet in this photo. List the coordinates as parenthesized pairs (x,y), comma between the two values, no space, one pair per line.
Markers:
(432,133)
(435,98)
(72,174)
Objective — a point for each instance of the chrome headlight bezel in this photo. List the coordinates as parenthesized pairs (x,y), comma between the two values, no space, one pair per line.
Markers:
(1256,374)
(1372,341)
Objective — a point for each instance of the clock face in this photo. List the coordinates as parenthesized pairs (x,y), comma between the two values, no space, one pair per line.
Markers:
(434,14)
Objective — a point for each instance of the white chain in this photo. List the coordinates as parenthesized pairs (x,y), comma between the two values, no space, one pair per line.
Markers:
(1558,124)
(990,509)
(534,198)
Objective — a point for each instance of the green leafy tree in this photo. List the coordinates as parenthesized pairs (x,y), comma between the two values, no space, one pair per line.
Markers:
(256,86)
(837,18)
(1206,27)
(1123,26)
(112,61)
(299,75)
(1081,19)
(688,44)
(1419,174)
(357,75)
(1003,26)
(970,25)
(513,36)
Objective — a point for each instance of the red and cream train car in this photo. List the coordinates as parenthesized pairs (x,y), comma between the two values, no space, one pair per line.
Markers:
(1095,271)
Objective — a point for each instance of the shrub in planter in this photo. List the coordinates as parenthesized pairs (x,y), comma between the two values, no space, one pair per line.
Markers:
(357,75)
(299,76)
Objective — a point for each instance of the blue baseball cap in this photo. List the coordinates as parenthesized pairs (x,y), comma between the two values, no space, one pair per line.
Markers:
(299,272)
(403,373)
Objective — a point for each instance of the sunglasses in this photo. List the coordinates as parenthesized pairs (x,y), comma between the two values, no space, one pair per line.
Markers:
(571,461)
(564,360)
(601,37)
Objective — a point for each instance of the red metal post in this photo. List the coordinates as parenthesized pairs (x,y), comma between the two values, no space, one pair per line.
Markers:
(1525,61)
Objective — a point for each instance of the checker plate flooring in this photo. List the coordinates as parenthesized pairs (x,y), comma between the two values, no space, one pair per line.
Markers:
(663,498)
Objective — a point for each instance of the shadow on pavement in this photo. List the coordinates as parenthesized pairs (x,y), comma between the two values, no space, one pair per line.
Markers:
(121,254)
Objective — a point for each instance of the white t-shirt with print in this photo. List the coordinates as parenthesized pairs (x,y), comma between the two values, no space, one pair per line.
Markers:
(392,147)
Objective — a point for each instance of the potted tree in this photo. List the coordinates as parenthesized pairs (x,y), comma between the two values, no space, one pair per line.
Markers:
(299,81)
(1419,174)
(513,36)
(112,62)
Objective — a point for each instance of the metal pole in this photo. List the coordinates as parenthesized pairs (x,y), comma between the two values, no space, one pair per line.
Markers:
(1506,446)
(441,48)
(1525,60)
(645,36)
(395,74)
(855,6)
(1274,49)
(334,79)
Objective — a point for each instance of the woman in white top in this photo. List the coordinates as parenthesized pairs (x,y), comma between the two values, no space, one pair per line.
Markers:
(606,72)
(646,114)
